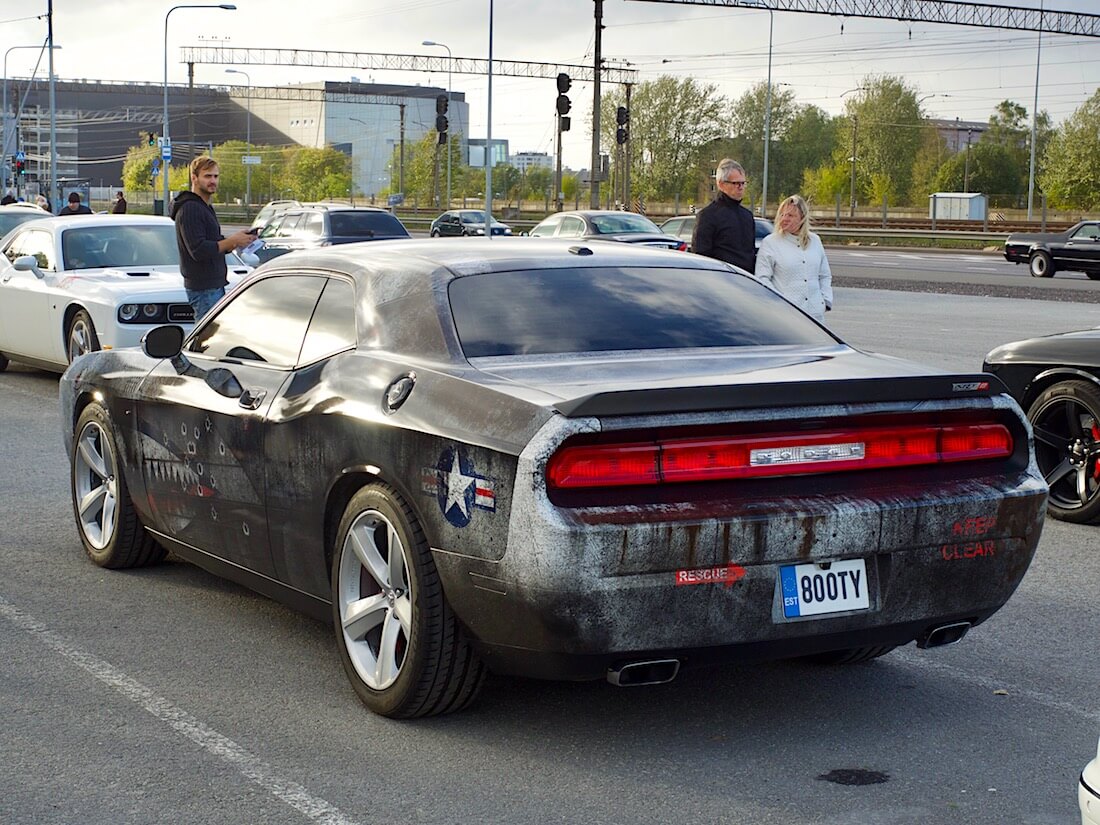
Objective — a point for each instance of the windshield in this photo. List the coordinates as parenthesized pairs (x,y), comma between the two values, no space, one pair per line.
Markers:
(625,223)
(10,220)
(597,309)
(473,217)
(93,247)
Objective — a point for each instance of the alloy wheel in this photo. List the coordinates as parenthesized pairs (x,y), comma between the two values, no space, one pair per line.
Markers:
(95,483)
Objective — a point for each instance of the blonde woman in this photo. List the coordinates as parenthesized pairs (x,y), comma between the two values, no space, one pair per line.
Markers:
(792,260)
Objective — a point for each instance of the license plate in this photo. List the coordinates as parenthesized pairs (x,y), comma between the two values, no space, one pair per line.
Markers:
(814,589)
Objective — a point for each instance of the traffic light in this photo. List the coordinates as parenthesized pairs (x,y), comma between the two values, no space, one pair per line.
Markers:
(622,118)
(563,104)
(150,138)
(441,124)
(20,166)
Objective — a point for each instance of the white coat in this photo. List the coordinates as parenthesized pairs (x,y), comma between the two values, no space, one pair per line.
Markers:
(802,276)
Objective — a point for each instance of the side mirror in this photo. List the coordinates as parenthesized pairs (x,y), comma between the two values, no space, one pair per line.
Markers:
(28,263)
(162,342)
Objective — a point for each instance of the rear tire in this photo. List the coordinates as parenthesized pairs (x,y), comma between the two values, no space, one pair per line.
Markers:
(108,523)
(3,362)
(401,646)
(1093,274)
(851,656)
(1041,265)
(81,336)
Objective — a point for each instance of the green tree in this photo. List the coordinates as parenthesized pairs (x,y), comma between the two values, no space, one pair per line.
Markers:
(808,141)
(669,120)
(137,168)
(930,157)
(507,182)
(540,184)
(1069,173)
(885,121)
(992,170)
(749,115)
(315,174)
(823,185)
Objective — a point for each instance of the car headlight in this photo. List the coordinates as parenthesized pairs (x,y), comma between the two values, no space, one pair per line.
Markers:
(142,313)
(150,311)
(127,312)
(479,231)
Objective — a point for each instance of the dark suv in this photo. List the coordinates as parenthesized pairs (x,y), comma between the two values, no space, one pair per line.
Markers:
(308,227)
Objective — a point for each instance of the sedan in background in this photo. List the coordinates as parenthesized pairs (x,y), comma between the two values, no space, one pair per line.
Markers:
(317,225)
(566,461)
(606,225)
(13,215)
(1056,379)
(459,222)
(1075,250)
(76,284)
(683,227)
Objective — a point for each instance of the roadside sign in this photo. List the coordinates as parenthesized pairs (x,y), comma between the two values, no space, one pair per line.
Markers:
(20,156)
(166,152)
(156,165)
(250,160)
(396,199)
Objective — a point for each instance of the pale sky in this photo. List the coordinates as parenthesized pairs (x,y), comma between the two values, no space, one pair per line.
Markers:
(966,71)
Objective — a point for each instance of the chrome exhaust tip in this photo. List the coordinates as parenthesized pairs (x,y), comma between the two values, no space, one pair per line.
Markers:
(944,635)
(653,672)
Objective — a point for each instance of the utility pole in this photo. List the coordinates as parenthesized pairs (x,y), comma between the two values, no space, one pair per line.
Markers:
(53,197)
(401,154)
(626,164)
(558,205)
(966,165)
(855,131)
(594,172)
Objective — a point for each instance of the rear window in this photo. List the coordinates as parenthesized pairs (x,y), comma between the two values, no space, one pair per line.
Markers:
(624,223)
(599,309)
(365,224)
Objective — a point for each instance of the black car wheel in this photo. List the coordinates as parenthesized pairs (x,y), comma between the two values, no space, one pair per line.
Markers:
(434,233)
(3,362)
(1066,421)
(1041,265)
(400,644)
(81,336)
(1093,274)
(108,523)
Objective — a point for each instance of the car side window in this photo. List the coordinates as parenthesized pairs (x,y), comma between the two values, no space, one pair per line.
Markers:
(571,227)
(313,226)
(287,227)
(40,245)
(332,328)
(547,227)
(265,321)
(673,227)
(1088,232)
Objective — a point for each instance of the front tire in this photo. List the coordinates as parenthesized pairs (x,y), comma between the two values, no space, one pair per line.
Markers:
(434,233)
(1041,265)
(401,646)
(1066,421)
(108,523)
(81,337)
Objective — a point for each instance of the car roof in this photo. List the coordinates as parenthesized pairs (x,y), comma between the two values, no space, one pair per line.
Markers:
(102,219)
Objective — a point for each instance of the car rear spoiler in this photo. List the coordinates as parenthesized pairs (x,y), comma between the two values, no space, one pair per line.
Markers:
(786,394)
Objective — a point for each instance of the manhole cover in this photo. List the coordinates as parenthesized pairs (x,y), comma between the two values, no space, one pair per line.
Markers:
(855,776)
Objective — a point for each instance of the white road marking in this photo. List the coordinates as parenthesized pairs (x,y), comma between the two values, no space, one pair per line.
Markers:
(920,660)
(252,768)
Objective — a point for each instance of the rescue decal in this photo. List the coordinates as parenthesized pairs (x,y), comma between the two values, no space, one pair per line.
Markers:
(970,386)
(969,550)
(457,487)
(726,574)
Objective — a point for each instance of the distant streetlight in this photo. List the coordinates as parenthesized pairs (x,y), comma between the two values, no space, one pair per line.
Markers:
(450,65)
(164,131)
(767,106)
(248,137)
(4,111)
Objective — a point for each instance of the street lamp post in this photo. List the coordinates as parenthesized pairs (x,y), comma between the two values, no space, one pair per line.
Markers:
(450,65)
(855,132)
(767,109)
(164,132)
(248,138)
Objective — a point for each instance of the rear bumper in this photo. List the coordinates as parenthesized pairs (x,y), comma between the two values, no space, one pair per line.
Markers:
(580,590)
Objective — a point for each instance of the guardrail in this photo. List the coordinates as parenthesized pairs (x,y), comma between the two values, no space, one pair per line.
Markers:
(992,238)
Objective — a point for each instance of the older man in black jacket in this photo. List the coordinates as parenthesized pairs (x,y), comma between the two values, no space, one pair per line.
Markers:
(724,229)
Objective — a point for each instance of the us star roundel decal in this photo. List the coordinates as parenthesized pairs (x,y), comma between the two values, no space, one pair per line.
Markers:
(457,487)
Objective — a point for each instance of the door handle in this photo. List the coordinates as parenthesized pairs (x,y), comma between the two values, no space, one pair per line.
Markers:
(251,399)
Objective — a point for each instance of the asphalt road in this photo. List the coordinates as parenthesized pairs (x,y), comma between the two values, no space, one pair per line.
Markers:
(166,695)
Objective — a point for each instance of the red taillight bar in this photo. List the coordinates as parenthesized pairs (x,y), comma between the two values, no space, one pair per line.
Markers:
(762,456)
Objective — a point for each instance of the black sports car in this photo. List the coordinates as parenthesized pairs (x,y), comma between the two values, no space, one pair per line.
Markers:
(564,461)
(1056,378)
(1075,250)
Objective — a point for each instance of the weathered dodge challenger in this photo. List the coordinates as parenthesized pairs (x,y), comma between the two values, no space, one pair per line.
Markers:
(568,461)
